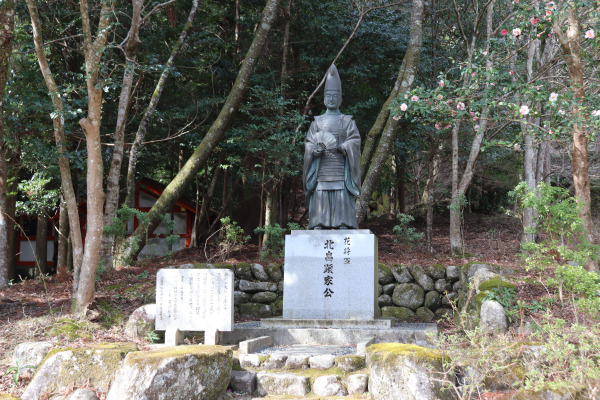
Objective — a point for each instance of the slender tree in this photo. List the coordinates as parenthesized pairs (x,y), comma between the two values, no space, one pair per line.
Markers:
(7,26)
(408,72)
(214,135)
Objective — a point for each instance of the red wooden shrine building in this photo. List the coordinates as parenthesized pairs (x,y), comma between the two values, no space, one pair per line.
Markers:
(146,193)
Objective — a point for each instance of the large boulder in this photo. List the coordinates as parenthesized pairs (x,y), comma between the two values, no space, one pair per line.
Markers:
(421,277)
(95,366)
(141,322)
(173,373)
(243,381)
(404,371)
(409,295)
(452,272)
(385,300)
(30,354)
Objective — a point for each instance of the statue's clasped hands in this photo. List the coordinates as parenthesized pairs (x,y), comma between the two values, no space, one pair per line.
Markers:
(320,149)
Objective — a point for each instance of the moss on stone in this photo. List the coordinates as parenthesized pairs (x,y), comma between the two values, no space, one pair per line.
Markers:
(95,365)
(399,313)
(223,266)
(277,306)
(437,271)
(496,283)
(200,265)
(350,363)
(391,353)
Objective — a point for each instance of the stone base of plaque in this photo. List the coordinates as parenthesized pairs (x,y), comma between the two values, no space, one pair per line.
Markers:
(378,323)
(330,275)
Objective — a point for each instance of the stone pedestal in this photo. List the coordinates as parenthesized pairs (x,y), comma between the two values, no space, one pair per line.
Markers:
(330,274)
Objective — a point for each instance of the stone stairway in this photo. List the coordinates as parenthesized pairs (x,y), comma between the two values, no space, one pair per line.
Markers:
(304,371)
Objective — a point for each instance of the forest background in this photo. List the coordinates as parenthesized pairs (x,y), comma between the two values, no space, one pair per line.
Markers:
(457,103)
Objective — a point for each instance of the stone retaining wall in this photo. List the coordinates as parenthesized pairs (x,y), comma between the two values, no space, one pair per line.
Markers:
(405,292)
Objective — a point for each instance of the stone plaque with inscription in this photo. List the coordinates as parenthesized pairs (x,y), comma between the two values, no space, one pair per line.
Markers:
(194,300)
(330,274)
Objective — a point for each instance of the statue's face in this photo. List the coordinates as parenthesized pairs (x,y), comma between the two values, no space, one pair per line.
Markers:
(333,99)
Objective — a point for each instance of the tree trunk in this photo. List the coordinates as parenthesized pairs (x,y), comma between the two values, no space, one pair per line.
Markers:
(93,49)
(41,245)
(401,183)
(214,135)
(142,128)
(459,188)
(432,172)
(114,173)
(59,137)
(7,26)
(407,72)
(571,49)
(62,267)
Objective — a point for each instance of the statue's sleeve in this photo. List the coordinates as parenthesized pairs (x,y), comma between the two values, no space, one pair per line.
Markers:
(311,165)
(352,147)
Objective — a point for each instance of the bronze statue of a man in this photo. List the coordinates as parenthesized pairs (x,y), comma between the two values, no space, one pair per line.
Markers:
(331,173)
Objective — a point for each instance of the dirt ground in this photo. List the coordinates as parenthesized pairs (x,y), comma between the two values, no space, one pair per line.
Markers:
(35,310)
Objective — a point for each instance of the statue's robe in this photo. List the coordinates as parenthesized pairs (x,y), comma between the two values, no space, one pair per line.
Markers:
(331,204)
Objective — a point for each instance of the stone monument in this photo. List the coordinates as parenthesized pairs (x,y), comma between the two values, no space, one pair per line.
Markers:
(330,269)
(194,300)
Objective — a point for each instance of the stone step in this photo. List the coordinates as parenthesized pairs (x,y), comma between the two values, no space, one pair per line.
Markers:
(401,333)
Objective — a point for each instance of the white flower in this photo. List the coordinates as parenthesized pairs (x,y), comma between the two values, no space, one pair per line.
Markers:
(404,107)
(561,111)
(105,88)
(524,110)
(553,96)
(516,32)
(596,113)
(460,106)
(438,126)
(476,127)
(406,96)
(442,84)
(396,118)
(517,147)
(414,98)
(590,34)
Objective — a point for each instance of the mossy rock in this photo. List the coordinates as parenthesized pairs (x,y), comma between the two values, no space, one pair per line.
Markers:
(243,271)
(96,366)
(405,371)
(436,271)
(350,363)
(275,273)
(424,314)
(277,307)
(256,310)
(496,283)
(385,274)
(399,313)
(182,372)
